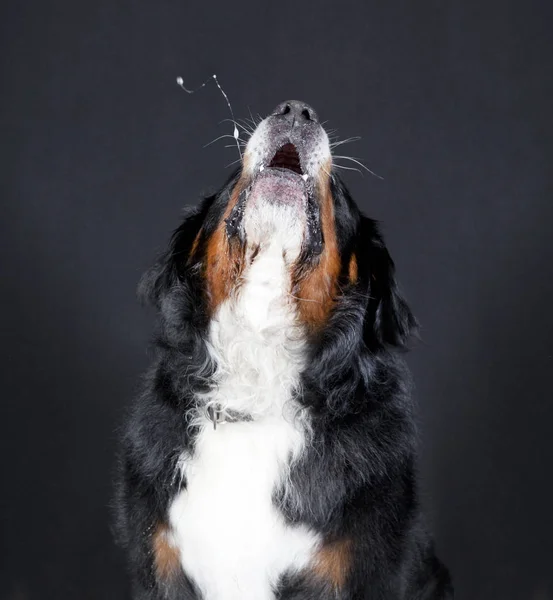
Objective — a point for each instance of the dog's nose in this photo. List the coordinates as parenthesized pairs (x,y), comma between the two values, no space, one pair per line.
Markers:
(296,111)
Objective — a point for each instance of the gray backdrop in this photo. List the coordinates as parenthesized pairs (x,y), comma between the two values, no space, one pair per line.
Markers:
(101,150)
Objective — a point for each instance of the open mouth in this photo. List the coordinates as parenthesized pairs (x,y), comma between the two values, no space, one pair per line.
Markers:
(287,157)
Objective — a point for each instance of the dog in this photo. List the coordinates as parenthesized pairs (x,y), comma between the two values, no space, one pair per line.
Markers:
(272,452)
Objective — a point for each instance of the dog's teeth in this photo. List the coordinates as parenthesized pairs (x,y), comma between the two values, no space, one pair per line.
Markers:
(261,168)
(304,176)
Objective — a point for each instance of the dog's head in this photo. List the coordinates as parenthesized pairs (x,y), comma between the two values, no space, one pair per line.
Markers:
(287,193)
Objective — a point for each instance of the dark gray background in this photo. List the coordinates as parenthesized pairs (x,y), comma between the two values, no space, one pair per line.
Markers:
(100,150)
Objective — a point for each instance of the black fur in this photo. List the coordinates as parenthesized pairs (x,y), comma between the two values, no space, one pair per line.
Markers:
(357,480)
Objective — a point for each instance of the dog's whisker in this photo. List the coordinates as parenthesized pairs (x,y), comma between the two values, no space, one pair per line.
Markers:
(346,141)
(238,124)
(304,299)
(326,172)
(253,120)
(358,163)
(233,163)
(337,166)
(226,135)
(246,127)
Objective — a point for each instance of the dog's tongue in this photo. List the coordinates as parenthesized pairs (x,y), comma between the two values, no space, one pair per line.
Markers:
(279,186)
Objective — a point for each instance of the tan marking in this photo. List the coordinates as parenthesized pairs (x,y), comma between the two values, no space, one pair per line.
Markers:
(317,289)
(195,245)
(224,261)
(353,269)
(166,556)
(333,562)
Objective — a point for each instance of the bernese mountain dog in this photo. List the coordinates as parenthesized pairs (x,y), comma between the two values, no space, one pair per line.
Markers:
(272,452)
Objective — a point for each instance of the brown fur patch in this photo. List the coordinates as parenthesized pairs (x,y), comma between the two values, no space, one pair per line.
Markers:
(166,556)
(316,290)
(333,562)
(224,261)
(195,245)
(352,271)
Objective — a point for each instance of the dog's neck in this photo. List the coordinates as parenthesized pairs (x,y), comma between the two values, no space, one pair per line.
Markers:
(256,343)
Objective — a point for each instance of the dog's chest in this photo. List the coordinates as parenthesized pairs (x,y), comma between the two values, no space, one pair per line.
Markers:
(233,540)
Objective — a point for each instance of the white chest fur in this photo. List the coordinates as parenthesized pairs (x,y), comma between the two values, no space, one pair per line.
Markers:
(233,541)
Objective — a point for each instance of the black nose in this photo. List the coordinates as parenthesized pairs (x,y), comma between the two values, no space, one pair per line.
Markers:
(296,111)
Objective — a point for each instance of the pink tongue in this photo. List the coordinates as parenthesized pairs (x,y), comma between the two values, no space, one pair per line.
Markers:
(282,187)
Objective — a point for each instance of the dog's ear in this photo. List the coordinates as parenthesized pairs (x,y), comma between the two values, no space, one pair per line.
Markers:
(389,320)
(177,262)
